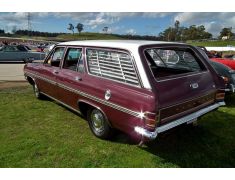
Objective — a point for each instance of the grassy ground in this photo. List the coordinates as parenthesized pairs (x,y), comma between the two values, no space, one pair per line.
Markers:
(87,36)
(213,43)
(41,133)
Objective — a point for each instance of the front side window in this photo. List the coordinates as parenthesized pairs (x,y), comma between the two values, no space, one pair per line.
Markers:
(170,62)
(73,60)
(55,57)
(10,49)
(113,65)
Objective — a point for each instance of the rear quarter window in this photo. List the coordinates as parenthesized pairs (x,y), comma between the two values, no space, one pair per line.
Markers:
(173,61)
(111,64)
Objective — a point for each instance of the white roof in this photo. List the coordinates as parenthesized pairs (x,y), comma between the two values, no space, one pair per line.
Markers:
(114,43)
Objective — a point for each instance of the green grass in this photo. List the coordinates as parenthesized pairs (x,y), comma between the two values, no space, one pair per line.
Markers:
(87,36)
(213,43)
(41,133)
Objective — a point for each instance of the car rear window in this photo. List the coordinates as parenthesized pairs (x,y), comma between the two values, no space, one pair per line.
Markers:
(113,65)
(171,62)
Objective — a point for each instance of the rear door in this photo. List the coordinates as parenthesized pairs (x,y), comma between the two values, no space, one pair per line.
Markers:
(182,81)
(71,77)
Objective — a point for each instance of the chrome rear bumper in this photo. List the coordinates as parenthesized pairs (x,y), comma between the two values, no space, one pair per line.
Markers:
(189,118)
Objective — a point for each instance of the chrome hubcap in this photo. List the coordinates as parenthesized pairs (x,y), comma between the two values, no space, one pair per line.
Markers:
(36,90)
(97,120)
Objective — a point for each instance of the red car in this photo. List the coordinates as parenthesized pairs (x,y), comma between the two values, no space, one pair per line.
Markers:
(142,88)
(228,62)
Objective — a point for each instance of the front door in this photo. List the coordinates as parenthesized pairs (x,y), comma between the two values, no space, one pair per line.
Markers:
(49,72)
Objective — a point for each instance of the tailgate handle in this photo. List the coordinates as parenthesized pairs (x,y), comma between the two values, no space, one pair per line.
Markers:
(194,85)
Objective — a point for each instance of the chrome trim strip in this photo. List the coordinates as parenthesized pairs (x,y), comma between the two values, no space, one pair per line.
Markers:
(115,106)
(185,119)
(61,102)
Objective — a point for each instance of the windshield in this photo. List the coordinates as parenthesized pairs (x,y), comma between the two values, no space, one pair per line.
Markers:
(167,62)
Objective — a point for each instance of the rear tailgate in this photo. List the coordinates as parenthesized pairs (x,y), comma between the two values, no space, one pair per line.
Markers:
(183,95)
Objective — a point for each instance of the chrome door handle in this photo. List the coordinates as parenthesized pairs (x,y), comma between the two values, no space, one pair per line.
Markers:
(78,78)
(194,85)
(55,72)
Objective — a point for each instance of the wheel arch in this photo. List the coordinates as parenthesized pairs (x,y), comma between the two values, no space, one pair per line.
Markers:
(30,79)
(84,106)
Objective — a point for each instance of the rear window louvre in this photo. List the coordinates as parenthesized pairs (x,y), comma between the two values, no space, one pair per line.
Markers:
(112,65)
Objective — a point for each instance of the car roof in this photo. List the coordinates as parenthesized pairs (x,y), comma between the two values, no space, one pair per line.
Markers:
(115,43)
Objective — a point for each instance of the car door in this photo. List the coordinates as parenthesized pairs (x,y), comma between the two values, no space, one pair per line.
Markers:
(49,72)
(71,76)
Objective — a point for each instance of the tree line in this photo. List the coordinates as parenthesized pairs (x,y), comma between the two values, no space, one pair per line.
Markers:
(174,33)
(31,33)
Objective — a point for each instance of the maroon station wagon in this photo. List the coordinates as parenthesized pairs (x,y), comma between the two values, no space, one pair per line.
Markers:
(142,88)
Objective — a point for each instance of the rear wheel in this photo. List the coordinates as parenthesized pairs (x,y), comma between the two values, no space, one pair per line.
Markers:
(99,124)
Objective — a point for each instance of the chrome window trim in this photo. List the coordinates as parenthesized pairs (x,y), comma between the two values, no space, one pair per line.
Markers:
(89,96)
(116,50)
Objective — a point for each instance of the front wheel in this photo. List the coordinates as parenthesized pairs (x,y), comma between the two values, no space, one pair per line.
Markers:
(36,91)
(99,124)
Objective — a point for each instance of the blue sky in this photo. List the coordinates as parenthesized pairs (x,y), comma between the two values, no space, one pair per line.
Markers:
(145,23)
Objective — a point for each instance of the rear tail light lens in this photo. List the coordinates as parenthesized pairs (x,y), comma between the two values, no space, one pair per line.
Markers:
(150,120)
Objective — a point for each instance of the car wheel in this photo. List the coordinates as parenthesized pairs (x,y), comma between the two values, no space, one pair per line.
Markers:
(28,60)
(99,124)
(37,91)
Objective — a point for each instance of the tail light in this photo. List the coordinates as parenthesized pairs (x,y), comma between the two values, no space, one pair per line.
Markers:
(150,120)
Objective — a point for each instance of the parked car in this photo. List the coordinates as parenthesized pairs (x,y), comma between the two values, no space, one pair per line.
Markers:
(19,53)
(142,88)
(224,71)
(230,62)
(231,56)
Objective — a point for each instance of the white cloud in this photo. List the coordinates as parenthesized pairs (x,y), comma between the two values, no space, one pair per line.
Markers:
(106,18)
(19,20)
(213,21)
(131,31)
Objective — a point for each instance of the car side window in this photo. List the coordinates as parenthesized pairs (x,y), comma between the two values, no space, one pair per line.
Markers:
(10,49)
(73,60)
(55,57)
(112,64)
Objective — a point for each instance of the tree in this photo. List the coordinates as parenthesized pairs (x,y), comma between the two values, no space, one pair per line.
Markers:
(105,29)
(226,32)
(14,29)
(2,31)
(71,27)
(79,27)
(178,33)
(177,30)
